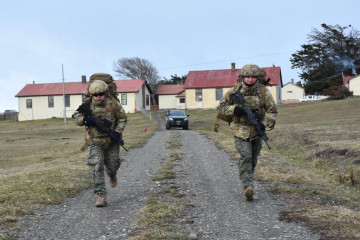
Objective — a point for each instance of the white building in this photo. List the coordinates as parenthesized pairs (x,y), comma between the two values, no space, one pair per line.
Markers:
(291,92)
(354,85)
(171,96)
(46,100)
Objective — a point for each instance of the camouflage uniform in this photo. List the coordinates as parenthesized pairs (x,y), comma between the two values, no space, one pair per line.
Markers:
(103,154)
(246,143)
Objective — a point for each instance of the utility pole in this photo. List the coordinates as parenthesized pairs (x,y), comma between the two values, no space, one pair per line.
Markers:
(62,67)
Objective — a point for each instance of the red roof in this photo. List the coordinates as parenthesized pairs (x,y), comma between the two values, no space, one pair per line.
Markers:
(73,88)
(347,78)
(225,78)
(46,89)
(172,89)
(131,85)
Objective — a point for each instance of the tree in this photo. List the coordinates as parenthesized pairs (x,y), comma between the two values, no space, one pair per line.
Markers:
(327,56)
(138,68)
(174,79)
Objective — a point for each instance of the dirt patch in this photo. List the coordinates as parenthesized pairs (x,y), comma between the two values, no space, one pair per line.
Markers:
(331,153)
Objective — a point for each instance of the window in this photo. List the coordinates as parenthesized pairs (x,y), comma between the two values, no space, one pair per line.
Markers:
(182,100)
(289,91)
(28,103)
(219,94)
(67,100)
(51,101)
(198,94)
(147,100)
(123,99)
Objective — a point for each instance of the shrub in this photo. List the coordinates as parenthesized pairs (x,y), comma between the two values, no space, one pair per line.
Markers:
(338,92)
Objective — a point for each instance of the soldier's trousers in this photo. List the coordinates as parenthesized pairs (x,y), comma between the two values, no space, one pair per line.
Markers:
(103,157)
(249,152)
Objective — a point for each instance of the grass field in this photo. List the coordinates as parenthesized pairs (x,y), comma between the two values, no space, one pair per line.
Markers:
(41,162)
(314,160)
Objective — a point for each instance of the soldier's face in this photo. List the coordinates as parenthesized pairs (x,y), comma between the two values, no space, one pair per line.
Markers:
(250,80)
(99,97)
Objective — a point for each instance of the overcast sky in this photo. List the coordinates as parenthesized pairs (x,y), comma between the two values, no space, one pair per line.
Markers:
(87,36)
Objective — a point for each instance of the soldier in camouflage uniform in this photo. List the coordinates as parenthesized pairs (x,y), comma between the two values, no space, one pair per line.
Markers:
(103,154)
(261,102)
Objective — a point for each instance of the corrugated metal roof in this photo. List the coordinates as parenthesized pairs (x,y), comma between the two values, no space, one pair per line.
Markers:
(48,89)
(225,78)
(170,89)
(73,88)
(131,85)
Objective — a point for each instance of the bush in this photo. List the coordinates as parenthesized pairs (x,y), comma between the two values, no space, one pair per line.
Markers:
(338,92)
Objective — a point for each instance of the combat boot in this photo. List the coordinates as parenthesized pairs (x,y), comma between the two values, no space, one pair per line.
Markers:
(101,202)
(113,181)
(249,193)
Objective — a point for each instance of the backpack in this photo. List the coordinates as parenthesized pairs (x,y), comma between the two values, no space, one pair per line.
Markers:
(108,79)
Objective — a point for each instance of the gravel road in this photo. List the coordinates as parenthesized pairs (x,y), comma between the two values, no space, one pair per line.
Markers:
(208,176)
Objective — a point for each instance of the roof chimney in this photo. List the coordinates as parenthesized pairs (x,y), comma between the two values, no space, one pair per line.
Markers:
(83,78)
(233,66)
(292,81)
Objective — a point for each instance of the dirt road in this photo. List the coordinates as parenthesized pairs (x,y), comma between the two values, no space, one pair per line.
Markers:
(205,173)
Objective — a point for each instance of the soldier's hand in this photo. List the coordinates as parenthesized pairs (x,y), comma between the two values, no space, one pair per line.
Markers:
(238,111)
(118,137)
(89,121)
(262,127)
(259,117)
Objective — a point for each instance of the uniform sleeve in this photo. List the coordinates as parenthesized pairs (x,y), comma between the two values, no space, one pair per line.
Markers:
(226,105)
(121,118)
(271,111)
(78,118)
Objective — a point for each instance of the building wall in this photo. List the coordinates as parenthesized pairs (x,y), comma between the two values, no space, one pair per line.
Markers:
(275,92)
(130,106)
(292,93)
(168,101)
(180,105)
(41,110)
(208,98)
(354,86)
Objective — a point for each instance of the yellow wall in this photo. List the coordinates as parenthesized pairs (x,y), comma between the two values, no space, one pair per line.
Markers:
(208,98)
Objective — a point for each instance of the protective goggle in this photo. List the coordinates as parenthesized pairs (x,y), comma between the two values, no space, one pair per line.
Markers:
(99,94)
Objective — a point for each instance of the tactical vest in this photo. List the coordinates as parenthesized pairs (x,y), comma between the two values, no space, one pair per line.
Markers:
(105,112)
(249,102)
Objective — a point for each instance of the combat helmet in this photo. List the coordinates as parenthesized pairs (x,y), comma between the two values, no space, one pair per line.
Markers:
(98,86)
(250,70)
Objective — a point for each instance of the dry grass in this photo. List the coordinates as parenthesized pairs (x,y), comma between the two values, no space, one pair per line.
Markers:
(41,163)
(315,159)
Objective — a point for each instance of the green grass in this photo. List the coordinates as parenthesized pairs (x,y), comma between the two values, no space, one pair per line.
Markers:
(41,163)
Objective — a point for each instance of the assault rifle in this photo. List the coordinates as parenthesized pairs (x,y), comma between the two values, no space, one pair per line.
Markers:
(250,117)
(103,125)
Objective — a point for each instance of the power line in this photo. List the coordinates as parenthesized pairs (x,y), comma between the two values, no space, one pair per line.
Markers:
(228,60)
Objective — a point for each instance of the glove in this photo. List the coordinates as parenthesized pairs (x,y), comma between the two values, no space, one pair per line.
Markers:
(118,137)
(262,127)
(89,121)
(258,117)
(238,111)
